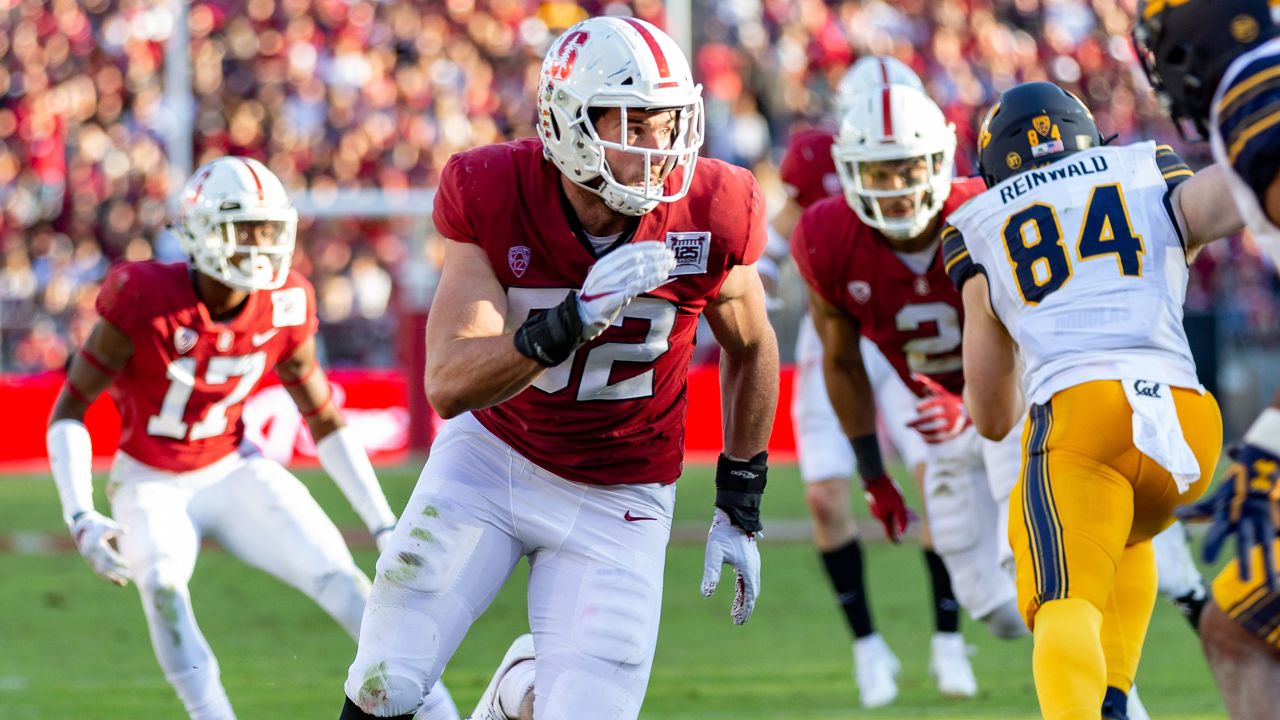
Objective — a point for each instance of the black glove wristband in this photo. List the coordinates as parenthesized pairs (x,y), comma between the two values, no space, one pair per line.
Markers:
(866,448)
(739,487)
(550,337)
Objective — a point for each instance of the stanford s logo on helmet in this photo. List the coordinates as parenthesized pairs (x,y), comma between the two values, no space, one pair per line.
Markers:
(625,63)
(1186,47)
(1032,125)
(237,225)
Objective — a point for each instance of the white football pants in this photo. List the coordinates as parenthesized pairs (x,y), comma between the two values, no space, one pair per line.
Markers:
(596,556)
(261,514)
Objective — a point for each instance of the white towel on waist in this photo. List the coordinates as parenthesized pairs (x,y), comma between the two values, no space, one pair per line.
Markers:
(1157,432)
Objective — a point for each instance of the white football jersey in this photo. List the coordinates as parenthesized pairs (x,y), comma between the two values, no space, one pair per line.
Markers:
(1086,267)
(1243,131)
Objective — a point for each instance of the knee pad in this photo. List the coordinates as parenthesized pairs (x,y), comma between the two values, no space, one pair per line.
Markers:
(980,584)
(164,599)
(382,691)
(574,695)
(398,659)
(1005,622)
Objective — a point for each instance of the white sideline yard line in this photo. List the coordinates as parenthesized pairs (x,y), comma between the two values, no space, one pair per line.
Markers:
(684,533)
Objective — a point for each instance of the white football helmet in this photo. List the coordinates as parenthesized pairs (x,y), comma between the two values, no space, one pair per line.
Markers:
(882,129)
(611,62)
(236,223)
(873,72)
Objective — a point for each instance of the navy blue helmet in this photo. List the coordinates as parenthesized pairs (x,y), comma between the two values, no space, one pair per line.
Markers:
(1186,46)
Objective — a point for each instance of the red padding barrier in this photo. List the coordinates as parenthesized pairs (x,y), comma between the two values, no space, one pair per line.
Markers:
(375,403)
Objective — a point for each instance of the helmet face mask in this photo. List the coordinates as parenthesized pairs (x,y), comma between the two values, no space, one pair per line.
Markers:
(894,194)
(617,134)
(605,63)
(237,225)
(894,156)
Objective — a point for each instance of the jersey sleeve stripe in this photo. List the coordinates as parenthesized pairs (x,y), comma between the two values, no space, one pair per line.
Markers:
(1253,126)
(1260,72)
(1172,167)
(956,261)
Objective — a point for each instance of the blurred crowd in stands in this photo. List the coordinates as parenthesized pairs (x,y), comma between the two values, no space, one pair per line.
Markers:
(360,93)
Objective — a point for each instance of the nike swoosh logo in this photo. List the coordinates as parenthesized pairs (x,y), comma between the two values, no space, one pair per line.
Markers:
(259,338)
(632,518)
(588,298)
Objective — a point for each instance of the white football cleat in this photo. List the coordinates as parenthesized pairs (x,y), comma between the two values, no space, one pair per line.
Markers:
(949,665)
(1135,709)
(875,669)
(490,706)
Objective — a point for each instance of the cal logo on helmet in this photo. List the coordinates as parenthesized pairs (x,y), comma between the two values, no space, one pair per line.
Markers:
(1033,124)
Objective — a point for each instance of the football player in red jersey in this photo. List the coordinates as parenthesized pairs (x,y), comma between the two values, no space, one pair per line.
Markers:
(180,347)
(874,269)
(826,459)
(576,267)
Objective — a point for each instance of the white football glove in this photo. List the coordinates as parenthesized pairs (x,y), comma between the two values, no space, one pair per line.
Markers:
(92,532)
(382,538)
(728,544)
(617,278)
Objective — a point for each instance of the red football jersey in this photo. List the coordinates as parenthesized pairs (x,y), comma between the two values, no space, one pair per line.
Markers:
(181,394)
(808,170)
(614,412)
(915,319)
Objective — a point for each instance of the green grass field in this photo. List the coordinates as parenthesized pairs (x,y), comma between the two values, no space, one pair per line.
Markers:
(73,646)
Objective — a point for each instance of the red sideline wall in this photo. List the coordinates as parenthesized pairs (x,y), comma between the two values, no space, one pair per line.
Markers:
(375,403)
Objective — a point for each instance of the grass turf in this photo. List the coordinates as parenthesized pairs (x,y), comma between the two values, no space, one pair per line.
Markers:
(74,646)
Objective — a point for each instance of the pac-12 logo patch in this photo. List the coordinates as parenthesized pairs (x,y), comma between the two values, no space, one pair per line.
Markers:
(184,338)
(518,259)
(692,250)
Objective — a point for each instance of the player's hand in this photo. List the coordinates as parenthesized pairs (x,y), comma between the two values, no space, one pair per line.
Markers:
(884,500)
(728,544)
(382,537)
(93,532)
(1246,505)
(941,414)
(617,278)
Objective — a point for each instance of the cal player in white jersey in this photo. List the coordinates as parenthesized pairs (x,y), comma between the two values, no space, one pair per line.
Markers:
(1216,67)
(1073,268)
(826,458)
